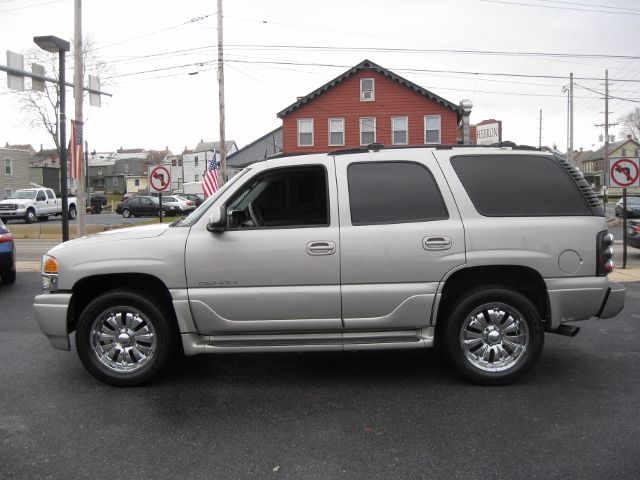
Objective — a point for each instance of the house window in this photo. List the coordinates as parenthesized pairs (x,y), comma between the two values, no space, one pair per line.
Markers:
(8,166)
(115,181)
(336,131)
(136,182)
(195,161)
(367,90)
(367,130)
(400,128)
(7,192)
(305,132)
(100,182)
(432,129)
(126,168)
(100,172)
(196,178)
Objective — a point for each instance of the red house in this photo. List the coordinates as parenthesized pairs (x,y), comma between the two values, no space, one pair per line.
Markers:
(368,104)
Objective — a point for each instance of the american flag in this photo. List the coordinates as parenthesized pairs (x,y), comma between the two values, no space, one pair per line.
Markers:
(210,183)
(75,149)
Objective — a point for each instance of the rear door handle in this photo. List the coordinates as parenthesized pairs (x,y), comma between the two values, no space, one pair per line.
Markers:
(321,248)
(436,243)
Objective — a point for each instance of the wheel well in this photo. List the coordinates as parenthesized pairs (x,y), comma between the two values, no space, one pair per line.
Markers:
(525,280)
(88,288)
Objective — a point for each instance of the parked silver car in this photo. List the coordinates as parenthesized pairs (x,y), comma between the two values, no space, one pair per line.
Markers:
(482,250)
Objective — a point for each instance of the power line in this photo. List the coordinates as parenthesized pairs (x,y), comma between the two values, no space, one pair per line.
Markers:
(505,2)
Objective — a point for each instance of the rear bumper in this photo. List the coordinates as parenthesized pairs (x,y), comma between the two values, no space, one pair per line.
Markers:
(613,302)
(50,310)
(572,299)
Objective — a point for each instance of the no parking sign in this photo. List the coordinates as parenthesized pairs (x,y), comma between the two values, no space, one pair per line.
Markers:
(624,172)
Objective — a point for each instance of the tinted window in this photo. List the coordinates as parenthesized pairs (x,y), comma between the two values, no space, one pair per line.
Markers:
(282,197)
(519,185)
(393,192)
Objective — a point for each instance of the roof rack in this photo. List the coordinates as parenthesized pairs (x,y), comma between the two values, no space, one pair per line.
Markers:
(368,148)
(379,146)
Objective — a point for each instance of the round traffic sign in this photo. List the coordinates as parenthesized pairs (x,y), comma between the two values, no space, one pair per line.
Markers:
(159,179)
(623,173)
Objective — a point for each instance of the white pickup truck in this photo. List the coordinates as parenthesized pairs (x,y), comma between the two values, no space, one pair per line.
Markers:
(33,204)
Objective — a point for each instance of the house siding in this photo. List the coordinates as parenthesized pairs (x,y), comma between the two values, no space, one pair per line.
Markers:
(20,166)
(343,101)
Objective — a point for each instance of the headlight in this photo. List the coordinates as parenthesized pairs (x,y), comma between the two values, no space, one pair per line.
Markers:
(49,270)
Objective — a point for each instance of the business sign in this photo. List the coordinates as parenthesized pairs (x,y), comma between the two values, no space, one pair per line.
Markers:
(488,132)
(624,172)
(159,179)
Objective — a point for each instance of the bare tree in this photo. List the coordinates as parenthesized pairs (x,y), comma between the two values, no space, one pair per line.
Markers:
(41,109)
(631,123)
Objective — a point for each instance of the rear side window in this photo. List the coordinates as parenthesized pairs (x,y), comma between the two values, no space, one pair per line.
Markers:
(519,185)
(393,192)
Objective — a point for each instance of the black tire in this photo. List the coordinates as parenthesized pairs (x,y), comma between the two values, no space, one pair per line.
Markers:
(98,209)
(73,213)
(494,335)
(140,347)
(161,212)
(30,217)
(126,213)
(8,277)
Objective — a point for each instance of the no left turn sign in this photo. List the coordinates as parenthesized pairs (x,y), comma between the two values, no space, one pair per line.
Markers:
(623,172)
(159,179)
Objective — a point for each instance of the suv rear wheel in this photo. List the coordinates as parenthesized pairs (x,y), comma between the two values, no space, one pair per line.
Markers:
(494,336)
(124,339)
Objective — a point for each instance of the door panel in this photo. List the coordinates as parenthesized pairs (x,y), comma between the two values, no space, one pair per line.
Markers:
(259,277)
(390,272)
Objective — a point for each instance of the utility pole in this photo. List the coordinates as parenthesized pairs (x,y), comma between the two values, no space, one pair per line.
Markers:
(540,131)
(223,146)
(570,145)
(78,83)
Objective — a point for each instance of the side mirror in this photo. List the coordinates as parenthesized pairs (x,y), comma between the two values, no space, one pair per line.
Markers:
(217,220)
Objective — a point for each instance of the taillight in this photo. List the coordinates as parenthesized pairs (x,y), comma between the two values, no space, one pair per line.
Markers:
(6,237)
(605,253)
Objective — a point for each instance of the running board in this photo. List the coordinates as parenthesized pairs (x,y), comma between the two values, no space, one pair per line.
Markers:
(194,344)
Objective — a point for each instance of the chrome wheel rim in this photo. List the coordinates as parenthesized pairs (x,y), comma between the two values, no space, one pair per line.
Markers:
(123,339)
(494,337)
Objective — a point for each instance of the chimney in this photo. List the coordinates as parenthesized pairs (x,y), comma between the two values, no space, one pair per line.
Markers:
(628,137)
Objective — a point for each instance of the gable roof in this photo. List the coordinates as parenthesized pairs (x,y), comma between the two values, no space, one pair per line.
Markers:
(211,146)
(369,65)
(599,154)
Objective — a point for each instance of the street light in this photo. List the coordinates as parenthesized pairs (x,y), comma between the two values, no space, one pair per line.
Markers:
(57,45)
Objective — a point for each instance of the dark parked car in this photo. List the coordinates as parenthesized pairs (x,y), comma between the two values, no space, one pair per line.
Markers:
(633,233)
(7,255)
(197,198)
(633,207)
(97,202)
(145,205)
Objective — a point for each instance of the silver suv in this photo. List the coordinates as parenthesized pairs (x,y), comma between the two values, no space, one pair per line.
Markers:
(481,250)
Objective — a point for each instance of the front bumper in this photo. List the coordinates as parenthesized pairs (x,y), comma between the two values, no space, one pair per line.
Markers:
(51,310)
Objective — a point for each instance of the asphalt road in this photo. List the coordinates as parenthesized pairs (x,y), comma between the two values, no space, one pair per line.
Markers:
(391,414)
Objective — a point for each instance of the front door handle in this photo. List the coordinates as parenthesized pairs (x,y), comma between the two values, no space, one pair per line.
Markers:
(321,248)
(436,243)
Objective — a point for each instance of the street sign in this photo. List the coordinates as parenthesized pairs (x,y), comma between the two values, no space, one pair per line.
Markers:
(159,179)
(624,172)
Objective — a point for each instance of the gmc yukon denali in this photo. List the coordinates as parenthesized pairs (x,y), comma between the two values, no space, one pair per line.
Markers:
(479,250)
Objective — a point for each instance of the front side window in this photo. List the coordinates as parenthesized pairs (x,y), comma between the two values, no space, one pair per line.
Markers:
(367,130)
(305,132)
(400,129)
(367,90)
(336,131)
(282,198)
(432,129)
(8,166)
(393,192)
(519,185)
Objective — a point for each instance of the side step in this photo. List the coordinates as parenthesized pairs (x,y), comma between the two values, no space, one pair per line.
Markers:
(194,344)
(566,330)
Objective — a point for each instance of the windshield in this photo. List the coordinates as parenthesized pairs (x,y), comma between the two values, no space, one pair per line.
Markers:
(204,206)
(633,200)
(23,194)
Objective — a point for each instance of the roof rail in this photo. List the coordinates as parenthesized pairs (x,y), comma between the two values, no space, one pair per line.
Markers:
(368,148)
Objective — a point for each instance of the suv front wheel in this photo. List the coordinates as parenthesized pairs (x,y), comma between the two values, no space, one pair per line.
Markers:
(494,336)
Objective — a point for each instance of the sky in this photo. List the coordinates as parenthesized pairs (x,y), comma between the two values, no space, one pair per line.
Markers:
(512,58)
